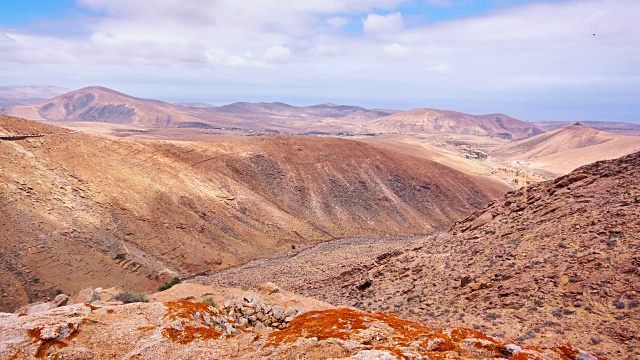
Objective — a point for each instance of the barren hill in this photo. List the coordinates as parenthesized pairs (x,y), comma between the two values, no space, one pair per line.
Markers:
(553,262)
(106,106)
(70,203)
(99,104)
(562,150)
(429,121)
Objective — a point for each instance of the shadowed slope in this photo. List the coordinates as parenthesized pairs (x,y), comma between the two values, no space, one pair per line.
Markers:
(70,203)
(553,262)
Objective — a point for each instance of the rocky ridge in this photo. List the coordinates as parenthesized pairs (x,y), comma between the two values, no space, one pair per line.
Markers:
(553,262)
(137,214)
(188,329)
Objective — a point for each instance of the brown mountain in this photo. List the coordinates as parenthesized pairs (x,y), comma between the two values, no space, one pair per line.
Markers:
(559,151)
(99,104)
(70,203)
(554,262)
(430,121)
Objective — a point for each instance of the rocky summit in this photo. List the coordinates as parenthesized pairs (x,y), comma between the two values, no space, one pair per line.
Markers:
(200,328)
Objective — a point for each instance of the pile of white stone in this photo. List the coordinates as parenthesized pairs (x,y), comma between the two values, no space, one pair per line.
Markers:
(252,311)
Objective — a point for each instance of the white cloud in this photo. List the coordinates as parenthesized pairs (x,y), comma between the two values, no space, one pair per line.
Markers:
(440,68)
(396,50)
(219,57)
(539,51)
(325,49)
(383,24)
(277,54)
(337,22)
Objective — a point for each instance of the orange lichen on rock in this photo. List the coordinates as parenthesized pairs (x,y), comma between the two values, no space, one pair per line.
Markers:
(327,324)
(47,340)
(345,324)
(189,334)
(92,307)
(146,328)
(406,339)
(183,309)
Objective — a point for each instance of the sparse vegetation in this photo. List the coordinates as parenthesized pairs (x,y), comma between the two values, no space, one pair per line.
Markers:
(35,280)
(58,292)
(209,301)
(618,304)
(170,284)
(128,297)
(121,256)
(293,246)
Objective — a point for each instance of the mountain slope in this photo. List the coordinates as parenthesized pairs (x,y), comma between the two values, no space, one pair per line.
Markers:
(99,104)
(430,121)
(553,262)
(180,208)
(562,150)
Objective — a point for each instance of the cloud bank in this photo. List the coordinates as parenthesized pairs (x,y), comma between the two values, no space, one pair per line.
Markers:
(536,61)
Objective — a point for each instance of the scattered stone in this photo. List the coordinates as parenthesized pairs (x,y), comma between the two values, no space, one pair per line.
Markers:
(268,288)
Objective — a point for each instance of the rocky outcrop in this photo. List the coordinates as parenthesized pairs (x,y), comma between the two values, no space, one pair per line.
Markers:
(182,329)
(254,312)
(552,262)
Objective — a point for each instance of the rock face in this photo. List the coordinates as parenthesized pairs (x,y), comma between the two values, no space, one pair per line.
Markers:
(553,262)
(183,329)
(557,261)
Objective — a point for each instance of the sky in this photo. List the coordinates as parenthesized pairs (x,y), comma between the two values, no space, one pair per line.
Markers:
(568,60)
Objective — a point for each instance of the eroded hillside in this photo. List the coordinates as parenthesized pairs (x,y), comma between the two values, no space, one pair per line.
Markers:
(79,210)
(553,262)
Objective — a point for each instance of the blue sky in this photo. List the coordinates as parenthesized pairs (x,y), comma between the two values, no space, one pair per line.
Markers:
(536,60)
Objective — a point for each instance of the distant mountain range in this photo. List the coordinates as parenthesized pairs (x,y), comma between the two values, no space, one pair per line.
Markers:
(99,104)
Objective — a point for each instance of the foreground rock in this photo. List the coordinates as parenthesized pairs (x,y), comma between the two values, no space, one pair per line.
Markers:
(183,329)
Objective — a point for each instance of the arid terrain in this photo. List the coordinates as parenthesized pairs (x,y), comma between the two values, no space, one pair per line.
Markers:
(183,208)
(366,213)
(559,151)
(553,262)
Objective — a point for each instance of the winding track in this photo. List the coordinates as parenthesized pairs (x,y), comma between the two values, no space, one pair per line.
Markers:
(24,136)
